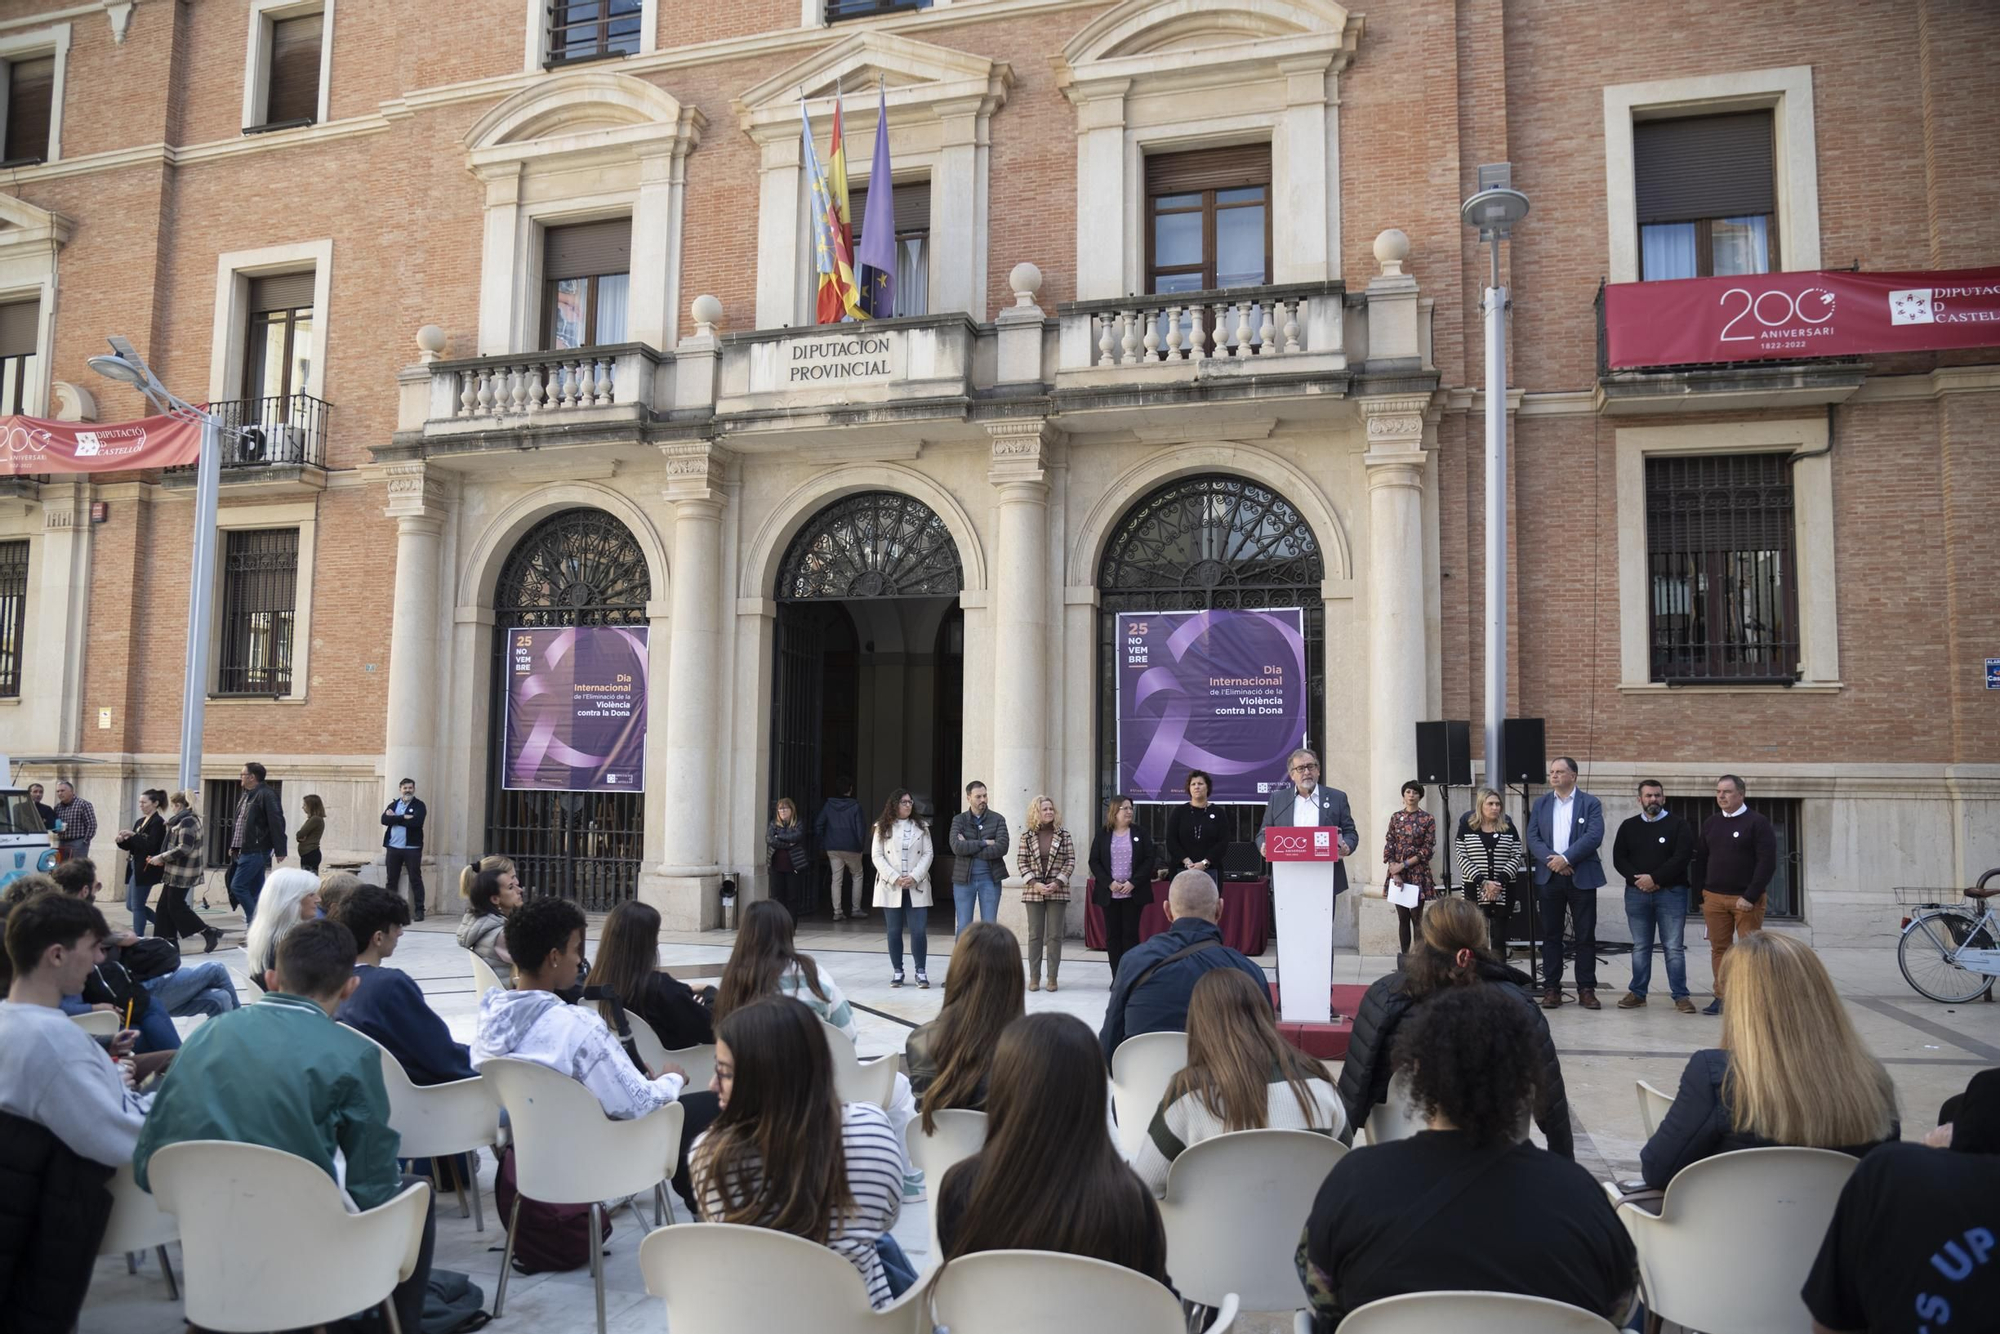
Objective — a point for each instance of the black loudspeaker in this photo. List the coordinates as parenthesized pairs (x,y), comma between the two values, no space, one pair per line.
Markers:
(1522,750)
(1444,754)
(1241,862)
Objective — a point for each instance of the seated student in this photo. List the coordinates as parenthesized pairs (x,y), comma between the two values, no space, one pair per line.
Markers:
(1156,977)
(290,896)
(66,1118)
(788,1155)
(1049,1177)
(1467,1205)
(386,1003)
(1240,1075)
(491,890)
(1791,1069)
(110,985)
(335,886)
(533,1023)
(281,1073)
(951,1056)
(1911,1245)
(1452,954)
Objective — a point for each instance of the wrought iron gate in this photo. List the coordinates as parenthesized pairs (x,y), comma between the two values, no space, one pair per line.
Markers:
(576,567)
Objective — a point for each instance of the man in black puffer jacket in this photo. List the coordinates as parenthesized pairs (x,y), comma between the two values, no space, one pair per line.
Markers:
(1453,953)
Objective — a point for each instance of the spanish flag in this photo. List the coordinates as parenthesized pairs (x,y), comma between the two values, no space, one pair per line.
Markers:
(833,258)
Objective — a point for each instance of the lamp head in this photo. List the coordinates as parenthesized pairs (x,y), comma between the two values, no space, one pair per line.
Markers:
(1494,212)
(119,369)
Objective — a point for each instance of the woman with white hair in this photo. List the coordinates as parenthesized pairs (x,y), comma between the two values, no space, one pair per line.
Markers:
(290,896)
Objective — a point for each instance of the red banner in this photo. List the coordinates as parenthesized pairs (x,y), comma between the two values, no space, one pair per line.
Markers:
(34,445)
(1787,316)
(1300,843)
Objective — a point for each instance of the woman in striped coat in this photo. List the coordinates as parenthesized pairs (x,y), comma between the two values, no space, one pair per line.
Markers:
(1489,855)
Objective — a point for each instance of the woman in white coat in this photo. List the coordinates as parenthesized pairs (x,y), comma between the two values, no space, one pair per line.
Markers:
(901,850)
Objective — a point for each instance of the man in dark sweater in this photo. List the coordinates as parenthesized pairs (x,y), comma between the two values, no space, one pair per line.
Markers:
(1735,856)
(388,1005)
(1652,851)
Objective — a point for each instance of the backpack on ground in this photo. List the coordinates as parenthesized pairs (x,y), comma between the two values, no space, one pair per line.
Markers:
(548,1238)
(453,1302)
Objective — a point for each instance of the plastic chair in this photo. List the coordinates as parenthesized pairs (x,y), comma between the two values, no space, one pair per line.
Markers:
(723,1278)
(856,1080)
(1653,1106)
(1005,1292)
(138,1224)
(960,1134)
(1141,1069)
(566,1151)
(484,979)
(1488,1312)
(1393,1118)
(698,1060)
(97,1023)
(247,1216)
(441,1121)
(1234,1208)
(1694,1269)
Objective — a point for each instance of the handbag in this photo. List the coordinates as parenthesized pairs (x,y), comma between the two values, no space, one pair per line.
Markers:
(152,957)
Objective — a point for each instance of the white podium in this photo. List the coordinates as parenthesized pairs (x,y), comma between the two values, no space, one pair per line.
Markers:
(1302,877)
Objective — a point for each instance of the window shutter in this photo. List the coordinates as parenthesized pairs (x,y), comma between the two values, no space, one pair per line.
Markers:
(1208,169)
(1704,167)
(281,291)
(588,249)
(31,90)
(294,76)
(19,321)
(913,208)
(1719,503)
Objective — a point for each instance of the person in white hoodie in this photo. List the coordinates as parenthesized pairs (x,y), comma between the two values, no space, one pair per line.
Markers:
(534,1023)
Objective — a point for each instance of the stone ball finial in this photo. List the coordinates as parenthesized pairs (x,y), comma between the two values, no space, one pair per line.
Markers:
(1392,247)
(431,342)
(1026,280)
(707,313)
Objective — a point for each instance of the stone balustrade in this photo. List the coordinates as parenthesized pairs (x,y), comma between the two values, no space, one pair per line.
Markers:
(542,385)
(1240,326)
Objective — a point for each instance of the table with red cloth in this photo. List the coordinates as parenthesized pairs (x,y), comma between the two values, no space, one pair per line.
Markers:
(1246,916)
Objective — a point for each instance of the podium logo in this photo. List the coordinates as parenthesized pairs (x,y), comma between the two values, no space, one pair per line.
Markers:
(1297,843)
(1323,841)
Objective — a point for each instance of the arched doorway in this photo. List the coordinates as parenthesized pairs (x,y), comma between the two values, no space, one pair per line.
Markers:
(576,567)
(1196,543)
(867,680)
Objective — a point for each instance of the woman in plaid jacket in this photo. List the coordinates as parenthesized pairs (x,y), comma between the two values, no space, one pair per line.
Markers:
(180,860)
(1047,857)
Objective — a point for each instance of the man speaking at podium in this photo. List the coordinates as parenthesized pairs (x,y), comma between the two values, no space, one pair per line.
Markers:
(1306,802)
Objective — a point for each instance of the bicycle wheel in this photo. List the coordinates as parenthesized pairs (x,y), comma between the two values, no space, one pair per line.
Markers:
(1924,954)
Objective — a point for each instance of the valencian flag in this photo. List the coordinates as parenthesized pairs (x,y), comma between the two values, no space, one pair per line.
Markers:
(832,259)
(877,255)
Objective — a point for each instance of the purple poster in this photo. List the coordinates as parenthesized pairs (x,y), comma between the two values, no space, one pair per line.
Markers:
(576,709)
(1222,691)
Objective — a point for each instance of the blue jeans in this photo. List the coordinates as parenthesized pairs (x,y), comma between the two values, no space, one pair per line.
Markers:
(135,899)
(1666,909)
(199,988)
(896,1266)
(246,881)
(983,889)
(156,1031)
(893,916)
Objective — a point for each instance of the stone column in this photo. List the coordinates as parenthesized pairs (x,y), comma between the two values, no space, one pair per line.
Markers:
(417,502)
(690,879)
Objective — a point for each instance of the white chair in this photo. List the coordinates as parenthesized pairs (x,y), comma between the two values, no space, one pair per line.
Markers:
(959,1135)
(1005,1292)
(566,1151)
(138,1224)
(1693,1268)
(247,1214)
(856,1080)
(1394,1118)
(1141,1069)
(441,1121)
(1487,1312)
(484,979)
(97,1023)
(698,1060)
(723,1278)
(1234,1208)
(1653,1106)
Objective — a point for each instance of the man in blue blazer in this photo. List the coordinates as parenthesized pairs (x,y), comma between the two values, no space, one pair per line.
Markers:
(1323,806)
(1564,831)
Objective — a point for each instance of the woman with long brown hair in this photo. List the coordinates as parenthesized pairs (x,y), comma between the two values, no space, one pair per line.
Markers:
(950,1057)
(766,962)
(1049,1177)
(1791,1070)
(491,889)
(628,965)
(1122,861)
(902,853)
(785,841)
(1240,1075)
(786,1154)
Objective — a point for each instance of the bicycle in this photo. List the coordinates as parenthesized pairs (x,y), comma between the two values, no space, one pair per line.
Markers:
(1950,952)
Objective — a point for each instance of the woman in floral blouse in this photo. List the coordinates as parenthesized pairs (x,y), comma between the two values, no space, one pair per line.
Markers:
(1046,857)
(1407,855)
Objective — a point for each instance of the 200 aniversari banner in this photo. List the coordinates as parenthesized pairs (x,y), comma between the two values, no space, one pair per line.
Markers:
(1221,691)
(576,709)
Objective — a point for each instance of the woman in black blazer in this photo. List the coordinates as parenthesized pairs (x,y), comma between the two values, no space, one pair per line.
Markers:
(144,839)
(1134,847)
(1197,833)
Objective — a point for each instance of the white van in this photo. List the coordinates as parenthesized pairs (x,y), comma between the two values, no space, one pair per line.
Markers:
(25,845)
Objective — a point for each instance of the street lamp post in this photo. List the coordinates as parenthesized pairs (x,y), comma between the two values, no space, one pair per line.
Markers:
(1494,210)
(127,367)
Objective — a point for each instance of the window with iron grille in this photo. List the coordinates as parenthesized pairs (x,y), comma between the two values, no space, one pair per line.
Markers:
(1723,578)
(1785,899)
(219,800)
(260,569)
(13,615)
(592,30)
(1208,219)
(20,327)
(837,10)
(30,106)
(1706,194)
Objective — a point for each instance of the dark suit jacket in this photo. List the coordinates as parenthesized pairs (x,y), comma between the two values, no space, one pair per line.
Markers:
(1333,814)
(414,835)
(1145,859)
